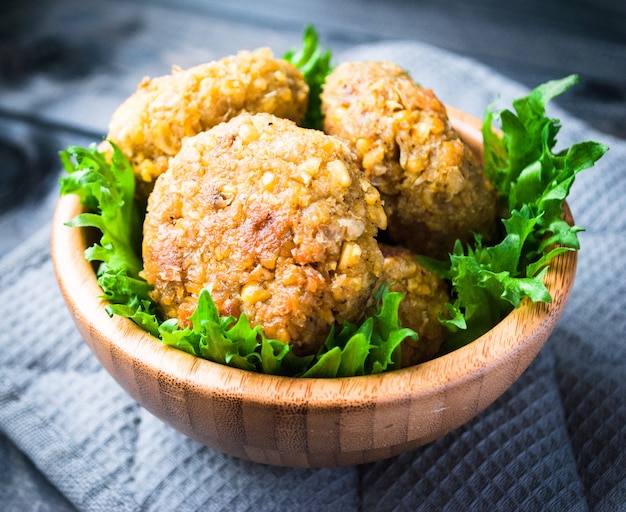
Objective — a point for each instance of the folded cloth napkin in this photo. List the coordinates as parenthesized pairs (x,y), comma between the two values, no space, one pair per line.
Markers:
(556,440)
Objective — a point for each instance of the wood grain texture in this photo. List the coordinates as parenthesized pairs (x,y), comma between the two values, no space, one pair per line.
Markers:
(306,422)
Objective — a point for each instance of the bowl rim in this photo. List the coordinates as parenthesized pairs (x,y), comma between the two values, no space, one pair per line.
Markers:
(499,346)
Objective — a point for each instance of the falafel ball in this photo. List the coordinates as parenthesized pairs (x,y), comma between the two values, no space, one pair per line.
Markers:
(425,298)
(276,220)
(433,187)
(149,126)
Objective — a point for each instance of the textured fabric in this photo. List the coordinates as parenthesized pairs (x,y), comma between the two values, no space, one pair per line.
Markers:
(556,440)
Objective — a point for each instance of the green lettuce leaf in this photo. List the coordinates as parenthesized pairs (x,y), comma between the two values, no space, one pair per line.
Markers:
(315,66)
(356,350)
(107,191)
(533,180)
(365,349)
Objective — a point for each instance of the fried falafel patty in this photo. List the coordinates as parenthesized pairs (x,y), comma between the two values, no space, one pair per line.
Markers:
(149,126)
(433,187)
(276,220)
(425,298)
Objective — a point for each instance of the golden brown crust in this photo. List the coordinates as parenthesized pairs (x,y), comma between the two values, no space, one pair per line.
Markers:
(433,188)
(425,296)
(150,125)
(276,220)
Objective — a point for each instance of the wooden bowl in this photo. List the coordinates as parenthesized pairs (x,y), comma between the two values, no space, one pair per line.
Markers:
(306,422)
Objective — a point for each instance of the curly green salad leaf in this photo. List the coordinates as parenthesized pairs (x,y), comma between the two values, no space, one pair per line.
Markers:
(533,181)
(362,349)
(315,66)
(107,192)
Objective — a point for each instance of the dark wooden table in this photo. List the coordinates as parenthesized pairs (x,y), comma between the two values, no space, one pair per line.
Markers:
(66,64)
